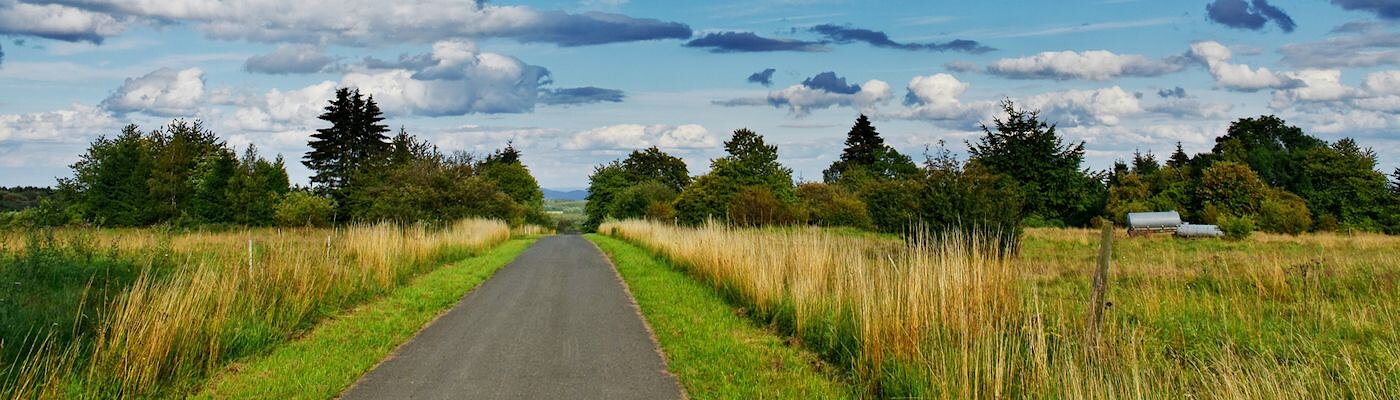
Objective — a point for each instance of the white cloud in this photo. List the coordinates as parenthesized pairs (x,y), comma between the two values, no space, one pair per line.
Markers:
(1317,85)
(801,99)
(1097,65)
(633,136)
(164,92)
(76,124)
(57,21)
(1085,107)
(347,22)
(1239,77)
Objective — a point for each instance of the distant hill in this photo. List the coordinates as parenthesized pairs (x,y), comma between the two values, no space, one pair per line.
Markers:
(550,194)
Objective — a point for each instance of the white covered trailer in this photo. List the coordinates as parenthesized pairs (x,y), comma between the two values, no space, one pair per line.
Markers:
(1149,222)
(1198,231)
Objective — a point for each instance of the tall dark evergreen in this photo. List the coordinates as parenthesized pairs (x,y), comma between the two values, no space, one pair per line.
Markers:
(1178,158)
(1029,151)
(867,157)
(862,143)
(355,141)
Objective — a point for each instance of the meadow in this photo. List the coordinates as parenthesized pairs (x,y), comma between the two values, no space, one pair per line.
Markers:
(1269,317)
(150,313)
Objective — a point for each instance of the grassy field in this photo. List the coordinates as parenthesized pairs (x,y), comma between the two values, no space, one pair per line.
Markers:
(715,352)
(327,360)
(144,312)
(1271,317)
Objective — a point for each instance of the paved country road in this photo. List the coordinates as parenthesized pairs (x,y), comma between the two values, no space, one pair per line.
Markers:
(554,324)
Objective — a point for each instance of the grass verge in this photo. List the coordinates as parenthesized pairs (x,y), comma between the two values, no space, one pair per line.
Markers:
(337,352)
(713,350)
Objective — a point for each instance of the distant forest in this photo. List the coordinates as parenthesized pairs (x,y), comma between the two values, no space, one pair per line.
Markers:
(1261,174)
(185,175)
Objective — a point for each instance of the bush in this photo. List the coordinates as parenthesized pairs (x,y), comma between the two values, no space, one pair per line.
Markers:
(893,205)
(1284,212)
(662,212)
(830,205)
(757,206)
(1236,228)
(635,201)
(304,209)
(1232,188)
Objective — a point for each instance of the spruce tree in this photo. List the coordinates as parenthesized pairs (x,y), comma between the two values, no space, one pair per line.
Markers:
(329,146)
(863,143)
(1179,158)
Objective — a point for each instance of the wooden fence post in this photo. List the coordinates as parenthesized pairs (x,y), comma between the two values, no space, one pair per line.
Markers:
(1098,300)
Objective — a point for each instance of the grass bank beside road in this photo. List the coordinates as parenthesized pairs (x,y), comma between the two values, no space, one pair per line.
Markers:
(715,352)
(336,353)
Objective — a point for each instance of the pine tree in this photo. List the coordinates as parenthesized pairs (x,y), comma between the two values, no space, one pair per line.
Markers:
(1028,150)
(867,156)
(1145,164)
(1179,158)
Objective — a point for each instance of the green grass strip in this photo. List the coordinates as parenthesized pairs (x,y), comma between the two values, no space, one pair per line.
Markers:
(333,355)
(715,352)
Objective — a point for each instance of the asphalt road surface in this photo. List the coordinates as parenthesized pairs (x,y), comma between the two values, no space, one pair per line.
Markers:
(554,324)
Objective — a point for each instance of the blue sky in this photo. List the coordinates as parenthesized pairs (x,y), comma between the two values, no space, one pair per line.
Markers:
(577,83)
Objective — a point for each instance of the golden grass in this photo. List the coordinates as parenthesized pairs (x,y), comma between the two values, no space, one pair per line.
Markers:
(221,302)
(1272,317)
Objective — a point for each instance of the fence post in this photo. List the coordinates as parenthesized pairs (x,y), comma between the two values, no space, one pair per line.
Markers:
(1098,300)
(250,257)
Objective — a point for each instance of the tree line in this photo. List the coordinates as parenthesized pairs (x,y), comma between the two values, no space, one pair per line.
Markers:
(1262,173)
(183,174)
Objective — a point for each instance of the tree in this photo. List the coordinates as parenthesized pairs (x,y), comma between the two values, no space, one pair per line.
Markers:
(867,157)
(112,180)
(1145,164)
(757,206)
(210,180)
(301,208)
(1178,158)
(635,201)
(1029,151)
(604,184)
(1341,181)
(354,142)
(1270,147)
(652,164)
(750,162)
(178,148)
(255,188)
(1230,188)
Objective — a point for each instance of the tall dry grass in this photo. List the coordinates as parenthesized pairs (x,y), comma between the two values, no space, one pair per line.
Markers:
(946,319)
(234,293)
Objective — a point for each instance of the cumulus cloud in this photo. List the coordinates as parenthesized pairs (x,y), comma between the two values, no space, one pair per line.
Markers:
(354,22)
(1237,77)
(1316,85)
(1360,45)
(634,136)
(844,35)
(827,90)
(164,92)
(76,124)
(293,110)
(764,77)
(1098,65)
(1382,8)
(1241,15)
(1105,106)
(937,98)
(57,21)
(746,42)
(290,59)
(580,95)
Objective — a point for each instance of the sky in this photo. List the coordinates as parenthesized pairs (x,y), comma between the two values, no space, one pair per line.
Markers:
(577,83)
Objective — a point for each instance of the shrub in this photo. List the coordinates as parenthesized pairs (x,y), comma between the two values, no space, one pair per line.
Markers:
(662,212)
(304,209)
(830,205)
(757,206)
(635,201)
(1236,228)
(1233,188)
(1284,212)
(893,205)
